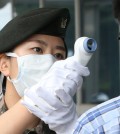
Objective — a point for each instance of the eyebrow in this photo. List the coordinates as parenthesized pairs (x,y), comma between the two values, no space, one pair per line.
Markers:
(39,41)
(59,47)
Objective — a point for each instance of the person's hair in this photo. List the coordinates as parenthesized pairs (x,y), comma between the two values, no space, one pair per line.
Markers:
(46,130)
(42,128)
(116,9)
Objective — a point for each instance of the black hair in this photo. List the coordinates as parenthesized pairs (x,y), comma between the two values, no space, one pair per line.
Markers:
(116,9)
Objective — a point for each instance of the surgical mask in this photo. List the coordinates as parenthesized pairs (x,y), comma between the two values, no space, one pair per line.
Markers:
(31,68)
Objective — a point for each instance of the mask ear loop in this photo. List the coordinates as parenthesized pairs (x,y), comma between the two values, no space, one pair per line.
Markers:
(1,91)
(10,54)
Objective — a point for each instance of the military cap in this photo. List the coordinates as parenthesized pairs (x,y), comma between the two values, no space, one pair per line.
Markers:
(49,21)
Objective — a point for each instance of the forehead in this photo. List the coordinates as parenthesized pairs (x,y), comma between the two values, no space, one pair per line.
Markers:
(46,40)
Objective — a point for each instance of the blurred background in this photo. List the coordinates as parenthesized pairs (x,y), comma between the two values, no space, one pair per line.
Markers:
(92,18)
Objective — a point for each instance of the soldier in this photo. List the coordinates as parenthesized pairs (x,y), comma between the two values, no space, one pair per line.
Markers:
(29,45)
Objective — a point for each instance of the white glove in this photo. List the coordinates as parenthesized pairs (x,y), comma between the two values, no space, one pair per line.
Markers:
(66,74)
(59,115)
(51,99)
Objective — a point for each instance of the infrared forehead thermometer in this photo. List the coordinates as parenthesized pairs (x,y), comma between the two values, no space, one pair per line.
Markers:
(84,49)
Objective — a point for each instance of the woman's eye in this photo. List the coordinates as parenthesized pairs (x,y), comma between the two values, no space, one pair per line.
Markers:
(59,56)
(37,49)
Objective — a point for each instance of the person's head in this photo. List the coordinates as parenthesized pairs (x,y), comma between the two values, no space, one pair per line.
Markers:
(38,32)
(116,12)
(116,9)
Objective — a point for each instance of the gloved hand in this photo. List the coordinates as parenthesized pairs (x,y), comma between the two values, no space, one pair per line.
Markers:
(51,99)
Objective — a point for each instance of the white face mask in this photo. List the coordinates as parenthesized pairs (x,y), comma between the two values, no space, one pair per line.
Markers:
(30,70)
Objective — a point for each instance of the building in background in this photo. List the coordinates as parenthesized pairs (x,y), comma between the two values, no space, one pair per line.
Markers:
(96,20)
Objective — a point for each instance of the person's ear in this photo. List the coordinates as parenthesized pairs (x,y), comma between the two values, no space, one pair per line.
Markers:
(4,65)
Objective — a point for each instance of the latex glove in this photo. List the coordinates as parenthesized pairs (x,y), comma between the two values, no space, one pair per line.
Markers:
(51,99)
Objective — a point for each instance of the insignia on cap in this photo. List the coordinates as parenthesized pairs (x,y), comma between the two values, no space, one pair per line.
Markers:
(63,22)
